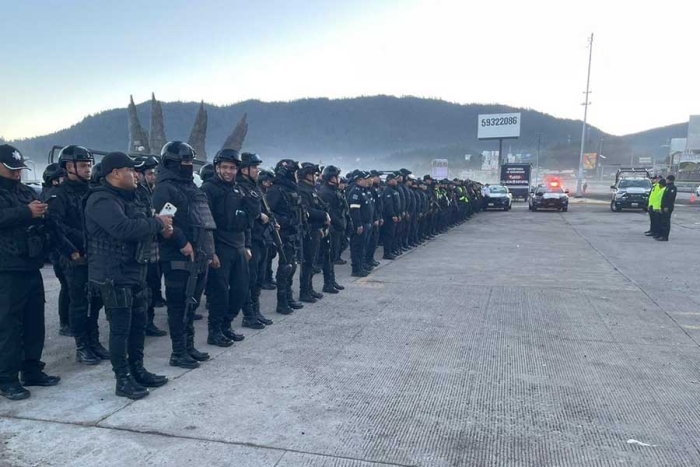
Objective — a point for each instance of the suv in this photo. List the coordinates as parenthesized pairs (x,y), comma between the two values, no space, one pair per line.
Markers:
(549,196)
(630,193)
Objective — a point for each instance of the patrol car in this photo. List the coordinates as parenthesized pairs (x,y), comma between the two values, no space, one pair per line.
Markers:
(499,198)
(549,195)
(631,189)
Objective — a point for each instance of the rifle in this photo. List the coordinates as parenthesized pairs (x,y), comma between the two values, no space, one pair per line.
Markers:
(276,234)
(194,268)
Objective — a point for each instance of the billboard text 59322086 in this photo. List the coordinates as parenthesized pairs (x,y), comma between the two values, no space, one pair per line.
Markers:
(498,126)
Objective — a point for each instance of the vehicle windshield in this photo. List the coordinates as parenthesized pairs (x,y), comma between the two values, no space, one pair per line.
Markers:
(497,189)
(634,183)
(550,189)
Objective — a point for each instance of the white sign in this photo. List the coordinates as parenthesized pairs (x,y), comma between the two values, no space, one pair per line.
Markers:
(498,126)
(693,140)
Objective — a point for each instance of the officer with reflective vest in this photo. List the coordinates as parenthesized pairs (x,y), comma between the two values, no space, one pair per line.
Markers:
(650,208)
(187,253)
(66,209)
(120,231)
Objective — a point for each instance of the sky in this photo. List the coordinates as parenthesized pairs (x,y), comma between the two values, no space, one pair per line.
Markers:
(66,59)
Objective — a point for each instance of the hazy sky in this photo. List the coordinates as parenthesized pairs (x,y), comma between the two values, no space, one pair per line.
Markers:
(65,59)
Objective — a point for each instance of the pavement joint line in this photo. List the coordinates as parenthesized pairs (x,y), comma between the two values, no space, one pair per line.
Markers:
(632,281)
(209,440)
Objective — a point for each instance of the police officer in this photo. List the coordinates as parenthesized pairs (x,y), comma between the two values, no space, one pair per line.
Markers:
(184,256)
(336,204)
(120,230)
(265,179)
(344,239)
(66,209)
(668,202)
(144,170)
(53,176)
(207,172)
(378,220)
(260,234)
(391,211)
(317,220)
(227,286)
(285,204)
(361,213)
(22,252)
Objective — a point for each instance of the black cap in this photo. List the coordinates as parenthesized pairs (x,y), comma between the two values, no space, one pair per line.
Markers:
(11,158)
(115,160)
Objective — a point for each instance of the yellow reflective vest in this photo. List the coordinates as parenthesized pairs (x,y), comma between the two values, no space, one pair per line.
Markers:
(656,202)
(654,189)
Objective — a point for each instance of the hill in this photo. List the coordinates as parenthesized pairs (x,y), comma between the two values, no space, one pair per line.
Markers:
(381,131)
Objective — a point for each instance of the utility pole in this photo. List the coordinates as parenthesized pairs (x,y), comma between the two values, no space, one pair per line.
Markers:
(579,193)
(537,163)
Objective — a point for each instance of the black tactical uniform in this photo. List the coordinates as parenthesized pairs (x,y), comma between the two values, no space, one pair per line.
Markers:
(120,232)
(265,179)
(260,237)
(668,203)
(192,225)
(373,239)
(52,176)
(391,207)
(23,249)
(285,204)
(315,224)
(336,204)
(360,201)
(227,286)
(66,209)
(144,196)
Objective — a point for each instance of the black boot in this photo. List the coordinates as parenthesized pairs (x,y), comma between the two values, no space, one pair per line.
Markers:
(14,391)
(126,387)
(194,353)
(282,305)
(180,357)
(84,354)
(230,334)
(39,378)
(293,304)
(146,378)
(96,347)
(359,273)
(216,338)
(64,330)
(252,323)
(151,328)
(255,303)
(328,288)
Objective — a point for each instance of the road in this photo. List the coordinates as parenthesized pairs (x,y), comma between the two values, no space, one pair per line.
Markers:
(517,339)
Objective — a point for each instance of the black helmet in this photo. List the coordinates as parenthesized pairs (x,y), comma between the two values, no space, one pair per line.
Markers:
(143,163)
(249,159)
(178,151)
(206,172)
(52,172)
(74,153)
(96,174)
(266,175)
(286,168)
(329,172)
(342,180)
(227,155)
(308,168)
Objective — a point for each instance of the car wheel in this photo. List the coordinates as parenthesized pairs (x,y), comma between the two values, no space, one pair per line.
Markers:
(534,208)
(614,207)
(565,209)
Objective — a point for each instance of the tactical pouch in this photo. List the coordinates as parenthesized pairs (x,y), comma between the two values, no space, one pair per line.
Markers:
(35,242)
(112,296)
(144,251)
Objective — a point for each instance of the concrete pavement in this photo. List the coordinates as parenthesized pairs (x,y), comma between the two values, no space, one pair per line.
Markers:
(517,339)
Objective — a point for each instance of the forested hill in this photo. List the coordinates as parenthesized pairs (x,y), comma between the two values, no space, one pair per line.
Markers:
(360,132)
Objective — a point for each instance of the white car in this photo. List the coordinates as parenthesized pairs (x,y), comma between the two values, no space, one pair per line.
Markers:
(499,198)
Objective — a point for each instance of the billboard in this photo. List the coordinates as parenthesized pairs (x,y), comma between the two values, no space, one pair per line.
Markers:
(589,160)
(498,126)
(439,169)
(693,141)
